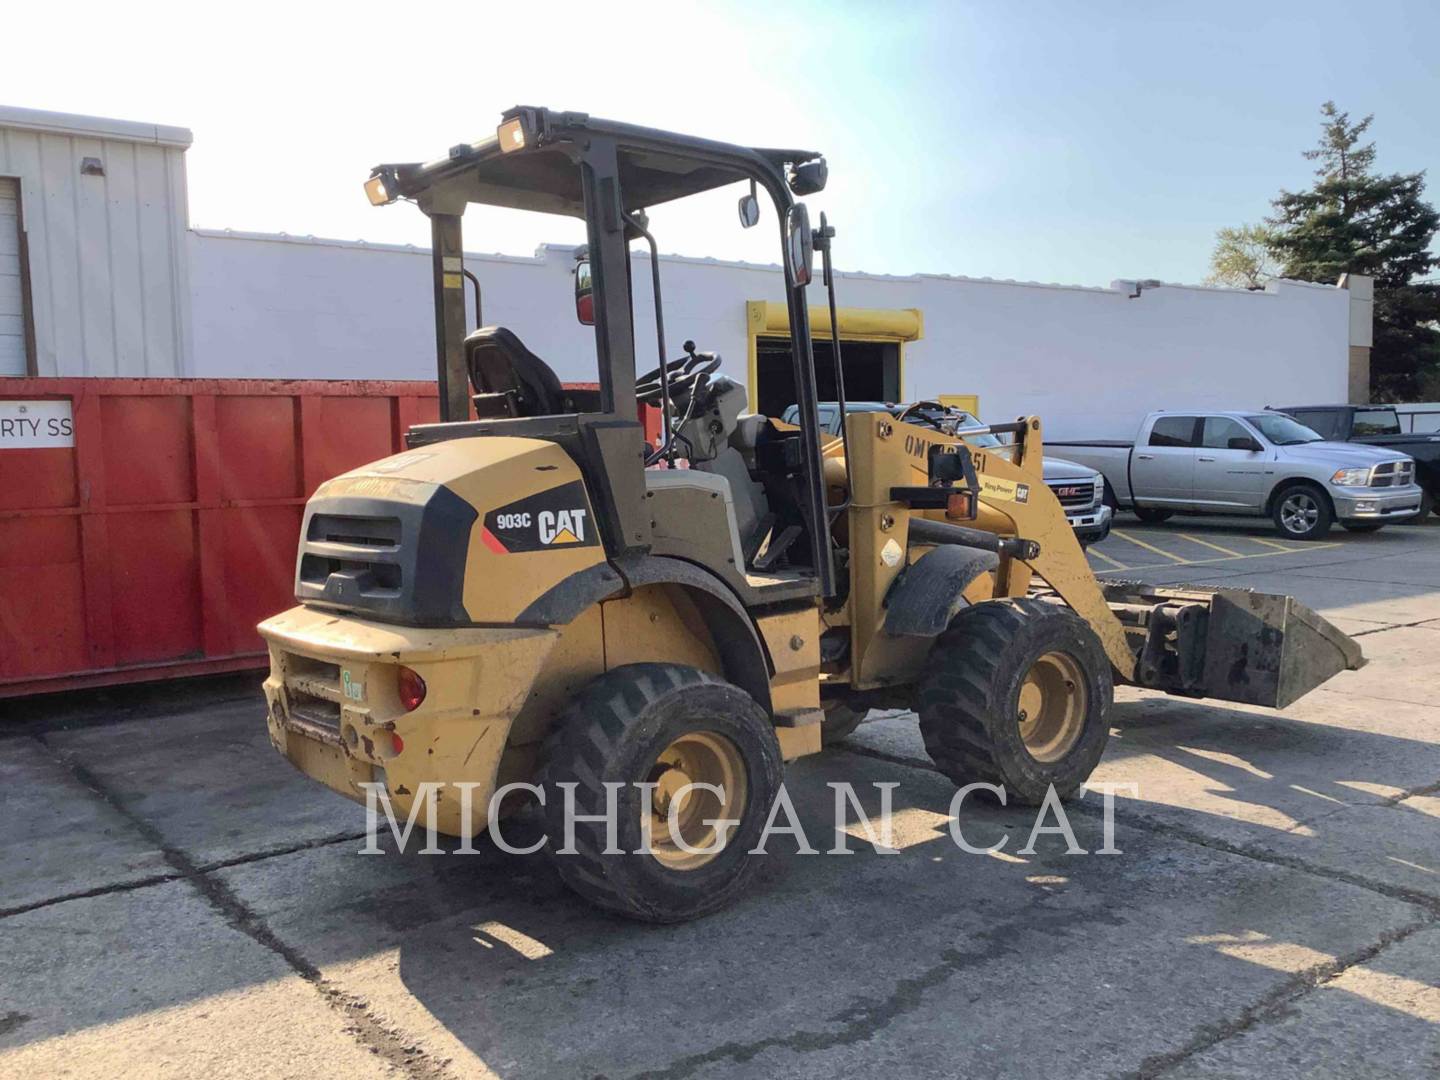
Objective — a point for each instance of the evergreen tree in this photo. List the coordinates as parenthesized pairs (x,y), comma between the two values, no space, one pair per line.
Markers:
(1356,220)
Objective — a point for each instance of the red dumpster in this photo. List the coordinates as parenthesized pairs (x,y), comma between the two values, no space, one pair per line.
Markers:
(147,525)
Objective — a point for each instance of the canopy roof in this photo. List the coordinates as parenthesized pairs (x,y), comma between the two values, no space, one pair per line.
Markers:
(654,166)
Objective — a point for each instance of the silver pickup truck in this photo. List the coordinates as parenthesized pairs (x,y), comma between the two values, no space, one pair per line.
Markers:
(1260,463)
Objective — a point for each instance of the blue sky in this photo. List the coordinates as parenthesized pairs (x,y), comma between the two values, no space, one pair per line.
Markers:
(1040,141)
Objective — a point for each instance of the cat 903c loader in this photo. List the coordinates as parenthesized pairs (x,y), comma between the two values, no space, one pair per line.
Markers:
(538,596)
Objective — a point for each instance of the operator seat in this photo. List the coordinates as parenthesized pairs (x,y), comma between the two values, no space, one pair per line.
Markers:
(509,379)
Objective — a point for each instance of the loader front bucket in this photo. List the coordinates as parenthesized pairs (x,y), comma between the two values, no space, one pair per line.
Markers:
(1230,644)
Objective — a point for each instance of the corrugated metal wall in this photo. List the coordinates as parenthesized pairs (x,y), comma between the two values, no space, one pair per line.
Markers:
(12,310)
(107,254)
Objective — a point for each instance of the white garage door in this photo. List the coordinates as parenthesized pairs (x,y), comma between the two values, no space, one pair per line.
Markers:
(12,315)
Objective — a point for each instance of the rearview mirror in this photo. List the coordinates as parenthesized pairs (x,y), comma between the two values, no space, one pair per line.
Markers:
(799,246)
(584,296)
(749,208)
(1243,442)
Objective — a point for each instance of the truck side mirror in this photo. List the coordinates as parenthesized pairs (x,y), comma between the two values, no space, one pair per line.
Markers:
(799,246)
(1243,442)
(584,296)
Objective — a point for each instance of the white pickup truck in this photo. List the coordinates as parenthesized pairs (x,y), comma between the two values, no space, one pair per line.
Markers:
(1255,463)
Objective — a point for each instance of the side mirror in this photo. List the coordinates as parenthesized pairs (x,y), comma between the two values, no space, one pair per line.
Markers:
(749,208)
(799,247)
(1243,442)
(584,297)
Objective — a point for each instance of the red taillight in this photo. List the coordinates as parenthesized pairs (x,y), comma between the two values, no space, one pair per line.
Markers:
(411,688)
(396,743)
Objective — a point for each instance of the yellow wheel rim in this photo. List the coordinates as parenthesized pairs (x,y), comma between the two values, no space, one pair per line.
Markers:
(701,817)
(1052,707)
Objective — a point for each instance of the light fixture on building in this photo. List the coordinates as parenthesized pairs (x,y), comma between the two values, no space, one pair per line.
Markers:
(92,166)
(1141,286)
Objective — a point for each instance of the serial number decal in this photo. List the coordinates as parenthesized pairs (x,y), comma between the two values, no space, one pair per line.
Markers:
(556,518)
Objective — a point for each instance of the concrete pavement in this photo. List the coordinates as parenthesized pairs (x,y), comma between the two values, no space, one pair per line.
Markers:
(176,899)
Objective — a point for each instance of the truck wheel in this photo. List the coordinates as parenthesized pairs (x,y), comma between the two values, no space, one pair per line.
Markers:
(1153,517)
(1016,694)
(668,726)
(1302,512)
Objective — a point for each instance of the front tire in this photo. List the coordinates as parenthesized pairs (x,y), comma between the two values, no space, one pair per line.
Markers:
(1016,694)
(1151,516)
(666,725)
(1302,512)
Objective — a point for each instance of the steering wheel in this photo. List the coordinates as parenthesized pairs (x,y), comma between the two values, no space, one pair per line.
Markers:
(686,376)
(925,417)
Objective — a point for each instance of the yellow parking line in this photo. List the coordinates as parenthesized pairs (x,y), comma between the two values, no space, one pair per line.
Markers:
(1204,562)
(1279,547)
(1113,562)
(1207,543)
(1148,547)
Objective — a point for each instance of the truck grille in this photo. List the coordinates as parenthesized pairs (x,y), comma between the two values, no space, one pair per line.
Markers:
(1074,494)
(1392,474)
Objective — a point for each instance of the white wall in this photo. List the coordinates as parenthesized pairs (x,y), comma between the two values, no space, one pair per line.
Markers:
(1090,361)
(109,287)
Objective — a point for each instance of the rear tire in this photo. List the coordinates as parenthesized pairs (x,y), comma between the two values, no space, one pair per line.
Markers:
(1302,512)
(1153,517)
(1016,694)
(656,723)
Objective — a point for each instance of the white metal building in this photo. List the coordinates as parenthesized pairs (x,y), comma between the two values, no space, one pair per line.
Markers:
(99,275)
(1091,361)
(93,276)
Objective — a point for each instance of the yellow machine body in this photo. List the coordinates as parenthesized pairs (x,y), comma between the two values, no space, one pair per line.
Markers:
(494,689)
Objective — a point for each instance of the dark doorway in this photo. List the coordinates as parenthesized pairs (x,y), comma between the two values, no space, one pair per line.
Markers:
(872,372)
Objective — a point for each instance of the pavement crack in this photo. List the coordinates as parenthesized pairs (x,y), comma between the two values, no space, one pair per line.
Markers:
(1276,1002)
(385,1042)
(867,1017)
(1135,820)
(151,880)
(146,882)
(1396,626)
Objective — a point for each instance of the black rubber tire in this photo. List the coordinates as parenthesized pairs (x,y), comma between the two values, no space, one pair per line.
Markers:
(1151,516)
(1325,513)
(614,732)
(839,722)
(1428,506)
(1361,527)
(968,697)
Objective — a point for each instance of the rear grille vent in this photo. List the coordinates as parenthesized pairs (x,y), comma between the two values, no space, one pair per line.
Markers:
(394,559)
(367,532)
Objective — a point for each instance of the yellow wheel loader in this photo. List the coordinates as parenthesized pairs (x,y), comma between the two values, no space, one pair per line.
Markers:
(538,604)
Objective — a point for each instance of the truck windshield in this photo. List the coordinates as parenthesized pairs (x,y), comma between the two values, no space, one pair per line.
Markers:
(1375,422)
(1282,430)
